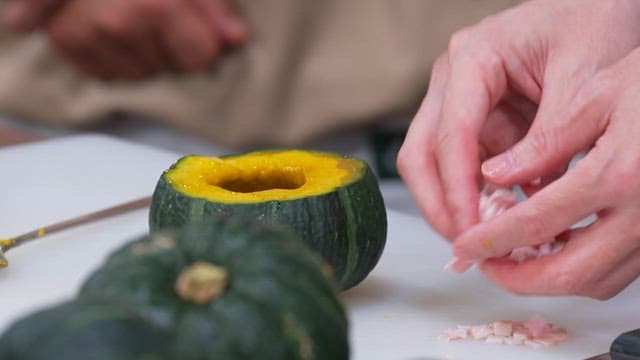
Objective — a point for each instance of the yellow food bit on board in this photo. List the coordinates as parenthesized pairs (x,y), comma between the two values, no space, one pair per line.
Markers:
(3,261)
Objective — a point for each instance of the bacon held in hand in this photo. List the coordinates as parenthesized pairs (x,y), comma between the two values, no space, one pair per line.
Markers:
(493,202)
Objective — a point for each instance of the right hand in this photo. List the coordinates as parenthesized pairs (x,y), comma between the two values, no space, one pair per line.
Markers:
(133,39)
(537,55)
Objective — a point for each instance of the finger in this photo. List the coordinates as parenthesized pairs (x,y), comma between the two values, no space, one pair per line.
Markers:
(536,220)
(221,15)
(416,161)
(26,15)
(126,43)
(504,127)
(589,255)
(69,39)
(133,32)
(541,182)
(476,83)
(91,48)
(618,279)
(561,130)
(188,41)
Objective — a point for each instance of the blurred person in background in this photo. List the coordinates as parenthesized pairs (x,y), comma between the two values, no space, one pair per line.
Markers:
(232,73)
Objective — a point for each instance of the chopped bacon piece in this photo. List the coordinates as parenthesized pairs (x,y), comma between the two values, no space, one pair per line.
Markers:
(537,326)
(502,328)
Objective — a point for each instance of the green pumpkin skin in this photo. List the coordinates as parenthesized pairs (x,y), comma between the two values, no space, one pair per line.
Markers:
(278,304)
(83,331)
(346,226)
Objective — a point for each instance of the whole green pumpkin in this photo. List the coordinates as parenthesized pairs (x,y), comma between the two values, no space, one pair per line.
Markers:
(332,202)
(228,289)
(84,330)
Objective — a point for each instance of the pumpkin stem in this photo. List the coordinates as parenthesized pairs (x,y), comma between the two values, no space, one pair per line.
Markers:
(201,282)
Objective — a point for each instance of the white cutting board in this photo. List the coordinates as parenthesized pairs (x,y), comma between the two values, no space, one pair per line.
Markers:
(396,313)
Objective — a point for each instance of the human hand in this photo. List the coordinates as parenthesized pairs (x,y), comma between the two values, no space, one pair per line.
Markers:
(27,15)
(598,260)
(135,38)
(534,56)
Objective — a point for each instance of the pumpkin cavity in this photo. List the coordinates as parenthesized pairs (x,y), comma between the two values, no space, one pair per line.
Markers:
(262,179)
(263,176)
(201,282)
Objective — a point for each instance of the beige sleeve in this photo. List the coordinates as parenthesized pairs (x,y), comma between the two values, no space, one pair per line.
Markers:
(311,67)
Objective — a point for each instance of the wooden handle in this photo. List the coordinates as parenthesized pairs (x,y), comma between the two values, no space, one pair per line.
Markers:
(8,244)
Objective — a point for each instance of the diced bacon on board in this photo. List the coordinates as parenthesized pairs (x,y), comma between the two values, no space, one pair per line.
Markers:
(535,332)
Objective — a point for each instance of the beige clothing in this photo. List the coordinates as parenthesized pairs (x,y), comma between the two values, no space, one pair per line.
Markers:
(310,68)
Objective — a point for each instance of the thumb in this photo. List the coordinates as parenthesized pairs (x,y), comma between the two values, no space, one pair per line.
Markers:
(26,15)
(554,139)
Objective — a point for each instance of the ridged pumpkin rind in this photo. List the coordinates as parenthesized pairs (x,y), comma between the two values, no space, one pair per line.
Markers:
(278,303)
(80,330)
(347,226)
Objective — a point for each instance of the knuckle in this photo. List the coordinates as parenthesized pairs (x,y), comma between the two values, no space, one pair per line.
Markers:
(404,160)
(444,140)
(488,61)
(459,40)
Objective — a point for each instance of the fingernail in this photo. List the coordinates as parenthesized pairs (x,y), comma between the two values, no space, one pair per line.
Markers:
(458,265)
(498,166)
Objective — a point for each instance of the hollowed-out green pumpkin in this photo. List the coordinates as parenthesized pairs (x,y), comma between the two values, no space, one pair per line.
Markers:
(84,330)
(228,289)
(332,202)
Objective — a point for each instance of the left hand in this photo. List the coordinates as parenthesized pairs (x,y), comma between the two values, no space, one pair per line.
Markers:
(601,259)
(133,39)
(28,15)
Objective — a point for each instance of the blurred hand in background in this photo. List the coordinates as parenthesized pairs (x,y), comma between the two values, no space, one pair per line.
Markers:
(132,39)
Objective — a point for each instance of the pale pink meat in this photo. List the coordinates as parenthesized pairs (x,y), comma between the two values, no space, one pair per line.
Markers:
(535,332)
(493,202)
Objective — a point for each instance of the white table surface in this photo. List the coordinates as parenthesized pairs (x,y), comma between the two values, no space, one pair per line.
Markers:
(396,313)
